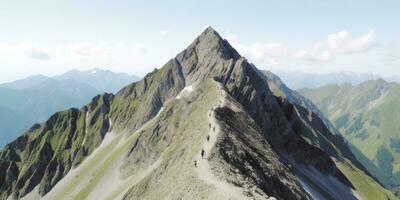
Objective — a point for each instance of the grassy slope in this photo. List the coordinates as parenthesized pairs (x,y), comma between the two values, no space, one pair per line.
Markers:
(45,154)
(364,185)
(192,129)
(60,143)
(367,115)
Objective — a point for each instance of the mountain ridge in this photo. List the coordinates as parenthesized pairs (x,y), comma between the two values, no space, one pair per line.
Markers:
(298,80)
(110,81)
(284,139)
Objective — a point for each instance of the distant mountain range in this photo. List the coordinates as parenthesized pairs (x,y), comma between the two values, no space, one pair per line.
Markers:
(103,80)
(298,80)
(368,116)
(33,99)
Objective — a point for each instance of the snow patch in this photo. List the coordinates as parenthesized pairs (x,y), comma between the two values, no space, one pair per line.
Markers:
(185,91)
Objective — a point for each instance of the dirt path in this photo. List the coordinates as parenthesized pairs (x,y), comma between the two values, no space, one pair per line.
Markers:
(203,167)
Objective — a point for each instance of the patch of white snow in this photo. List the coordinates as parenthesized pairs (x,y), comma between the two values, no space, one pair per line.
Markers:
(185,92)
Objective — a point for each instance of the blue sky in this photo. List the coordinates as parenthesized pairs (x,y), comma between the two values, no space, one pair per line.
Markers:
(51,37)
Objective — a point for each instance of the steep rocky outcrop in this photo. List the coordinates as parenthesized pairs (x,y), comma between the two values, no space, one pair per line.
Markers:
(209,56)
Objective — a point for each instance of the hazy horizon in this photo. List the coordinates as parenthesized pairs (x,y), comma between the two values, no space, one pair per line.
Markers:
(50,38)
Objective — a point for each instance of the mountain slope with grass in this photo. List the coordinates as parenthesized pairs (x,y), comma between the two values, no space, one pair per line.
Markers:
(203,126)
(37,103)
(366,114)
(35,98)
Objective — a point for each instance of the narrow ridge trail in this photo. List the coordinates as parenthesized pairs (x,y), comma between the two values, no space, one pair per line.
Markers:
(203,167)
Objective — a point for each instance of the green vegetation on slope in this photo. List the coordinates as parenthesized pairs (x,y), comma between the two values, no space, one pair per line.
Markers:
(365,186)
(47,151)
(138,150)
(367,115)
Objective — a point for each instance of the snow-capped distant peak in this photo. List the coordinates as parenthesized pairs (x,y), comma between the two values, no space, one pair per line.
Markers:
(93,71)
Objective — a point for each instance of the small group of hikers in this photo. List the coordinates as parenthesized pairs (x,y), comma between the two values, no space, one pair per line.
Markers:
(202,153)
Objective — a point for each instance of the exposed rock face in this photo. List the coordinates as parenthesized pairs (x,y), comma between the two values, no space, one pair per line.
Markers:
(308,110)
(48,151)
(137,103)
(262,144)
(209,56)
(252,158)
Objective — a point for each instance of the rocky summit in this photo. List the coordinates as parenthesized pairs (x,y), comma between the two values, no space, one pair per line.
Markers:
(206,125)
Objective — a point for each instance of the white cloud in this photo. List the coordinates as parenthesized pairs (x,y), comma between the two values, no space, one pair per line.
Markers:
(260,51)
(139,48)
(30,49)
(38,54)
(97,50)
(317,52)
(123,56)
(266,53)
(341,42)
(164,32)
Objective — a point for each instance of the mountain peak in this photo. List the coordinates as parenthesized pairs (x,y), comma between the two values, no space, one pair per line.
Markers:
(211,31)
(208,56)
(209,36)
(210,41)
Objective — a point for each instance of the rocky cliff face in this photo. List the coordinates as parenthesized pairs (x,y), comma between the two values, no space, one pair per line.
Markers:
(139,142)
